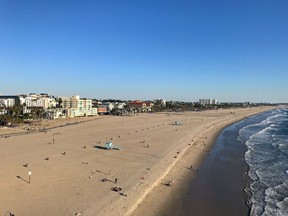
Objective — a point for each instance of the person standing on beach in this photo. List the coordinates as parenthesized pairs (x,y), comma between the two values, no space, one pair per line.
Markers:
(116,180)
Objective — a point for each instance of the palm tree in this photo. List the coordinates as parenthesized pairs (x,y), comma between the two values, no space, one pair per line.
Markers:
(2,107)
(16,111)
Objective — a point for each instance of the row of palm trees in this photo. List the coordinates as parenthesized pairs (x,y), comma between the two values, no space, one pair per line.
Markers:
(190,106)
(16,115)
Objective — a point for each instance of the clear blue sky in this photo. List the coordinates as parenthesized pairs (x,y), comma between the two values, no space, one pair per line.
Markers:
(232,50)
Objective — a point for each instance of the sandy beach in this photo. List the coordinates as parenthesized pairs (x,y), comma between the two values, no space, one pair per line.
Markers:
(71,173)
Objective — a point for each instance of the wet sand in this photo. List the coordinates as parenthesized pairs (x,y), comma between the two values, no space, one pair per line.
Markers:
(221,180)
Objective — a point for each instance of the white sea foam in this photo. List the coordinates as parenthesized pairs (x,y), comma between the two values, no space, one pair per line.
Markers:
(267,143)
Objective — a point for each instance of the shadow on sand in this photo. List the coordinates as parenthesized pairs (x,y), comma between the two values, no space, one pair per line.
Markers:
(102,172)
(23,179)
(100,147)
(105,148)
(106,179)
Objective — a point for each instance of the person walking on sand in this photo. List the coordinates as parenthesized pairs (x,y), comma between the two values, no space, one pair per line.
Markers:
(116,180)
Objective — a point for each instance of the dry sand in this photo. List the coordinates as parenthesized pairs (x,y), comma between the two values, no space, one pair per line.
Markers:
(66,176)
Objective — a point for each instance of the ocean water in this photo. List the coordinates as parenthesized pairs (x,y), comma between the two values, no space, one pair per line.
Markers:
(266,138)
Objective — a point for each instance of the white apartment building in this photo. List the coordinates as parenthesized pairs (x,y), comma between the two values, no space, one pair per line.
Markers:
(32,102)
(75,106)
(55,113)
(207,101)
(7,102)
(76,103)
(48,102)
(38,101)
(72,112)
(214,101)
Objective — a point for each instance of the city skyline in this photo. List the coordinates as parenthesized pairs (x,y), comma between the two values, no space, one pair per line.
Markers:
(235,51)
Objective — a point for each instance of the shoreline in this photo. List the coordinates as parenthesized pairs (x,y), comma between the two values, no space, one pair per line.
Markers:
(74,179)
(220,183)
(184,179)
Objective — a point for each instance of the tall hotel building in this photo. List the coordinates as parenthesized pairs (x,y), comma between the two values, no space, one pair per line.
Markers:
(208,101)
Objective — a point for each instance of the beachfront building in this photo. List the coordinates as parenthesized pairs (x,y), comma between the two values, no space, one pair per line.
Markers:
(31,101)
(75,106)
(7,102)
(27,102)
(76,103)
(207,101)
(140,105)
(72,112)
(37,100)
(110,107)
(102,109)
(47,102)
(55,113)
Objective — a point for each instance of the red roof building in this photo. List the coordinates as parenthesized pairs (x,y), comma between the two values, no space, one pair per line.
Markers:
(137,104)
(140,105)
